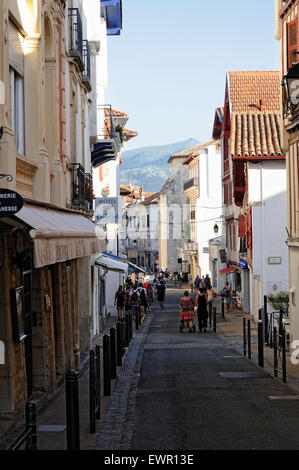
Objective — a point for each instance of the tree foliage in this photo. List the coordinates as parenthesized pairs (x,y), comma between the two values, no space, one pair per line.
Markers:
(279,301)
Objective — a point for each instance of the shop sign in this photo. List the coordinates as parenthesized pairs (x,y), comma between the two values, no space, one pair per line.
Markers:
(10,202)
(274,260)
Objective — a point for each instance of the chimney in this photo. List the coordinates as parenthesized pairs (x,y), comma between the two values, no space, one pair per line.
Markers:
(261,104)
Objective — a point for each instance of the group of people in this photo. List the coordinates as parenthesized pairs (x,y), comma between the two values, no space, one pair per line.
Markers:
(202,305)
(139,295)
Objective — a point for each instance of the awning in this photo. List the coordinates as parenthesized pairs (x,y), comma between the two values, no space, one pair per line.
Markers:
(112,264)
(136,267)
(228,270)
(59,236)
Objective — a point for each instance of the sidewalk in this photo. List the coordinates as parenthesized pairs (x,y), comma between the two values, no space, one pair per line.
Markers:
(232,329)
(51,415)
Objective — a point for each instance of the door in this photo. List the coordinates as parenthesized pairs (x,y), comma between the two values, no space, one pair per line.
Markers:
(26,271)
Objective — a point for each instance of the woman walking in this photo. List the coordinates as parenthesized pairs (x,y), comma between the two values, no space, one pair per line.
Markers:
(161,294)
(187,311)
(150,296)
(120,302)
(211,295)
(202,312)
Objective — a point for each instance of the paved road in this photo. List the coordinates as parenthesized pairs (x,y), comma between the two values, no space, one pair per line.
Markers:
(192,391)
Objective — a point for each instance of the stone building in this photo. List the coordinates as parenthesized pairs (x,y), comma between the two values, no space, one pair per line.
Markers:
(174,228)
(45,248)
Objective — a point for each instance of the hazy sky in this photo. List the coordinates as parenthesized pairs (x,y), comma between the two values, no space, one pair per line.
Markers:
(167,68)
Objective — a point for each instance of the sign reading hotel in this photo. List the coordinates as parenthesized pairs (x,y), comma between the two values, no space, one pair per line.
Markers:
(10,202)
(106,210)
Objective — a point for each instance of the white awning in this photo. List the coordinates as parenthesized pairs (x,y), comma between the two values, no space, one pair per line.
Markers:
(136,267)
(112,264)
(59,236)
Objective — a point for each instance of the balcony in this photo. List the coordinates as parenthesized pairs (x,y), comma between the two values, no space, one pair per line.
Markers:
(111,11)
(75,37)
(85,75)
(82,188)
(109,142)
(191,187)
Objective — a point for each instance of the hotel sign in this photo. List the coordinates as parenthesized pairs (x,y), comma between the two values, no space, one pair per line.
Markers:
(10,202)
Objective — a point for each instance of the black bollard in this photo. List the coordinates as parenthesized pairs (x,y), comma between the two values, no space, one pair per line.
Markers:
(267,339)
(244,336)
(249,339)
(118,344)
(30,410)
(98,381)
(260,344)
(112,353)
(127,330)
(107,367)
(214,319)
(92,393)
(136,319)
(122,329)
(72,410)
(222,307)
(284,362)
(275,350)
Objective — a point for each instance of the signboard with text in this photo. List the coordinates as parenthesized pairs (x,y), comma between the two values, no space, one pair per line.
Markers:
(10,202)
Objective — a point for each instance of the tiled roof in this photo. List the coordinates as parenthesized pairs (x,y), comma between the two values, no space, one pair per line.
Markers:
(256,135)
(197,148)
(247,88)
(114,112)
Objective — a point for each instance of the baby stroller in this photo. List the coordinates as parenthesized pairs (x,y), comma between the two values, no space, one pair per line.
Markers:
(189,317)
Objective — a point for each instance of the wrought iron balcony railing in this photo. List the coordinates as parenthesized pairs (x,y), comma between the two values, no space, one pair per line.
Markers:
(191,183)
(86,60)
(108,131)
(82,188)
(75,36)
(192,215)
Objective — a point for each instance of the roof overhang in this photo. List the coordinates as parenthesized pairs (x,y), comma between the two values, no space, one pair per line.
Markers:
(103,152)
(111,11)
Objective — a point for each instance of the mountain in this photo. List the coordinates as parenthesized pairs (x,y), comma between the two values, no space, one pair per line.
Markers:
(147,166)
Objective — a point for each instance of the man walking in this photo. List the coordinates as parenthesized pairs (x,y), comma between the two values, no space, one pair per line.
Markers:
(197,282)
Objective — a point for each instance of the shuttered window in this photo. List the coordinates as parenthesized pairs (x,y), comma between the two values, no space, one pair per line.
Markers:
(292,42)
(242,226)
(16,49)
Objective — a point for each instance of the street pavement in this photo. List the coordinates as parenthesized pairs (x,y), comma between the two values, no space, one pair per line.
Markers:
(193,391)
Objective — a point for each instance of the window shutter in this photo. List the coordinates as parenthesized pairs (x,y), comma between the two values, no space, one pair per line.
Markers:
(292,42)
(242,226)
(249,229)
(16,49)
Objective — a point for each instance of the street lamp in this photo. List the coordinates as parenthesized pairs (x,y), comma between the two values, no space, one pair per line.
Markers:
(216,228)
(291,84)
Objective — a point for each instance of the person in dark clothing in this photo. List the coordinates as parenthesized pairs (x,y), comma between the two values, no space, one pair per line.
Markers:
(207,282)
(197,282)
(202,311)
(120,301)
(161,294)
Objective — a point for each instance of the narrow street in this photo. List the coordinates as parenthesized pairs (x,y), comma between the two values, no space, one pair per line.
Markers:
(192,391)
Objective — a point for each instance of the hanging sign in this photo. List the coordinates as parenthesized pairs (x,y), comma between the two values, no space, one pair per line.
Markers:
(10,202)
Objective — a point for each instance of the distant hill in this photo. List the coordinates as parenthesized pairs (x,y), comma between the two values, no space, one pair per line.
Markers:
(147,166)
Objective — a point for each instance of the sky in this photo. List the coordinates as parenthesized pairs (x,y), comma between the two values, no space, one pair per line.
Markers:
(168,67)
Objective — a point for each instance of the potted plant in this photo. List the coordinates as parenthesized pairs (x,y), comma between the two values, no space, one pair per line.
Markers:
(280,301)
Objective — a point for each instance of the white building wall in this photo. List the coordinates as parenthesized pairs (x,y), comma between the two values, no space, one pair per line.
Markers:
(267,195)
(208,204)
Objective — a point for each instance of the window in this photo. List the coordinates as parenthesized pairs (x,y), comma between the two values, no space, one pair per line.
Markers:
(16,83)
(292,42)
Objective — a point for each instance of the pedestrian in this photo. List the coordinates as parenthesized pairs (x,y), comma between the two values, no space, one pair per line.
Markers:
(207,282)
(181,277)
(187,311)
(211,296)
(150,296)
(225,294)
(135,300)
(202,312)
(119,300)
(161,294)
(128,306)
(197,282)
(143,300)
(202,282)
(190,282)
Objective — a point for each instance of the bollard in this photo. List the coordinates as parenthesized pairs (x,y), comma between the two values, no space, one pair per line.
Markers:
(127,333)
(31,443)
(249,339)
(122,329)
(136,319)
(98,381)
(214,319)
(260,344)
(275,350)
(244,337)
(72,410)
(118,344)
(266,321)
(222,307)
(106,363)
(112,353)
(92,394)
(131,325)
(284,363)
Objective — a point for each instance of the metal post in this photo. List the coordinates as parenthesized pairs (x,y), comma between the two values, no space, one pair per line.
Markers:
(275,350)
(98,381)
(261,344)
(280,328)
(118,344)
(92,397)
(244,336)
(106,363)
(30,409)
(113,353)
(72,410)
(214,319)
(266,321)
(284,363)
(127,335)
(249,339)
(222,307)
